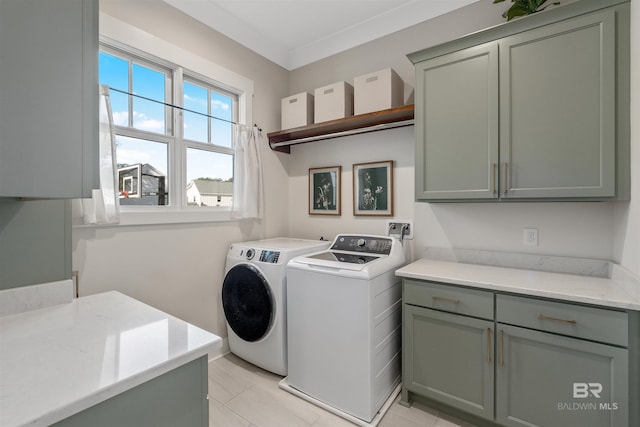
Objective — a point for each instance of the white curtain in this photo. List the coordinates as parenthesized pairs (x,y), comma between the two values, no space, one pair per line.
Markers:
(103,207)
(248,197)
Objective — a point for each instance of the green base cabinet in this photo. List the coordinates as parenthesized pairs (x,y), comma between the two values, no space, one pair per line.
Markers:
(177,398)
(510,360)
(548,380)
(461,348)
(534,109)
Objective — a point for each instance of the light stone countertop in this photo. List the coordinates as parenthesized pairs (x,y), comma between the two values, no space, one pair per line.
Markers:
(60,360)
(602,291)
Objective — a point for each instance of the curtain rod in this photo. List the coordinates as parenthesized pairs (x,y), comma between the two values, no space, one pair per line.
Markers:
(177,107)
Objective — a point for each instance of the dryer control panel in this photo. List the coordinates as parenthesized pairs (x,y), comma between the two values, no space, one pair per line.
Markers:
(269,256)
(358,243)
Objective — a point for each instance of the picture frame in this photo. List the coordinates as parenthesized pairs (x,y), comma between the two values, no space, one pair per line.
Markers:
(325,191)
(373,188)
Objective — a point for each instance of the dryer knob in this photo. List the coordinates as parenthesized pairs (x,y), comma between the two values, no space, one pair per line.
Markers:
(361,243)
(250,253)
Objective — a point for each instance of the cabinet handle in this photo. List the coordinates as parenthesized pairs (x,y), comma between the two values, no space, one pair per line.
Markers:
(501,348)
(555,319)
(506,174)
(452,301)
(493,178)
(488,345)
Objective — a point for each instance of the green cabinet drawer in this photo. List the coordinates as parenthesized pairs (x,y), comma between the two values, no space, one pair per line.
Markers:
(454,299)
(590,323)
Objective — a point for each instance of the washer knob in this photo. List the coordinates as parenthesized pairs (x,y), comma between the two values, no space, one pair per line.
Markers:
(250,253)
(361,243)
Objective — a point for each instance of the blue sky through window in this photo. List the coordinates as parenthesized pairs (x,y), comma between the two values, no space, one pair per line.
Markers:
(207,164)
(195,125)
(149,116)
(203,129)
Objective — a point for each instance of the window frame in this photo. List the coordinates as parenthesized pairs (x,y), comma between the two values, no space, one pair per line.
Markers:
(133,42)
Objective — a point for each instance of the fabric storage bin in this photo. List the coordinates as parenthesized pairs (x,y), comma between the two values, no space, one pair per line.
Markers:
(332,102)
(377,91)
(297,110)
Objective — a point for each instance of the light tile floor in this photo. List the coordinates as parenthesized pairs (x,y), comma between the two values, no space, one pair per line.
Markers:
(243,395)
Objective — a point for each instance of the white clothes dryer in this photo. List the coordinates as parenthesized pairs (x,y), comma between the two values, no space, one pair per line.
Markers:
(254,298)
(344,326)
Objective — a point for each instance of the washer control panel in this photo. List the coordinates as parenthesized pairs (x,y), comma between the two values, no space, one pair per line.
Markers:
(269,256)
(262,255)
(369,244)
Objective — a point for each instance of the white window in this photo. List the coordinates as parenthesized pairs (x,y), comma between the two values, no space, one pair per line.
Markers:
(167,147)
(208,138)
(183,156)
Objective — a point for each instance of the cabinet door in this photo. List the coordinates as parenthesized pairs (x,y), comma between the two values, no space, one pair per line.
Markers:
(177,398)
(550,380)
(558,109)
(449,358)
(456,122)
(48,97)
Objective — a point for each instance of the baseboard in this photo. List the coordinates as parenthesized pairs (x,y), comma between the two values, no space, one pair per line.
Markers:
(221,351)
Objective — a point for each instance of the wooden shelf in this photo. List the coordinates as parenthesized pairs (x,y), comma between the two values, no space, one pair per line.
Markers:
(370,122)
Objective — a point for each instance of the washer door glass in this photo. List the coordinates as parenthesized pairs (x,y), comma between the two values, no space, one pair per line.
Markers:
(247,302)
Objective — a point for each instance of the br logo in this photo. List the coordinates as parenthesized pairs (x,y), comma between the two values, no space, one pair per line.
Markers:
(584,390)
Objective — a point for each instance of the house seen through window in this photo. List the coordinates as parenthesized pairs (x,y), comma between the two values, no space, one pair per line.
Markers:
(169,156)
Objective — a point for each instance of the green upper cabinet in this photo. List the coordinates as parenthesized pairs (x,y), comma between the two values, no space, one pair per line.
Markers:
(48,98)
(457,118)
(536,108)
(557,109)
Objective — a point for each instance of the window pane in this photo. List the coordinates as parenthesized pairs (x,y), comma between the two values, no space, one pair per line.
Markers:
(209,178)
(148,115)
(119,108)
(142,171)
(114,72)
(195,125)
(222,108)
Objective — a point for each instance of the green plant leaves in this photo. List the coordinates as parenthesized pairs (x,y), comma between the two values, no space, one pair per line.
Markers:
(523,7)
(515,11)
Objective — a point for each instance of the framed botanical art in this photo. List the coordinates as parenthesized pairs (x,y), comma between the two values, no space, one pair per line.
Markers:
(324,191)
(373,188)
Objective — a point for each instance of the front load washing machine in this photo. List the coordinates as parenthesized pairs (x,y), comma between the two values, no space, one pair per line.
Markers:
(254,298)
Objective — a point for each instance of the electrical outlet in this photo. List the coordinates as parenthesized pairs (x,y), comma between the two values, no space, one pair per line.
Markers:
(395,228)
(530,236)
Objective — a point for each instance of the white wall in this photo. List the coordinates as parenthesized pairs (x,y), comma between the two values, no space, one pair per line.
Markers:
(569,229)
(179,268)
(391,51)
(394,144)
